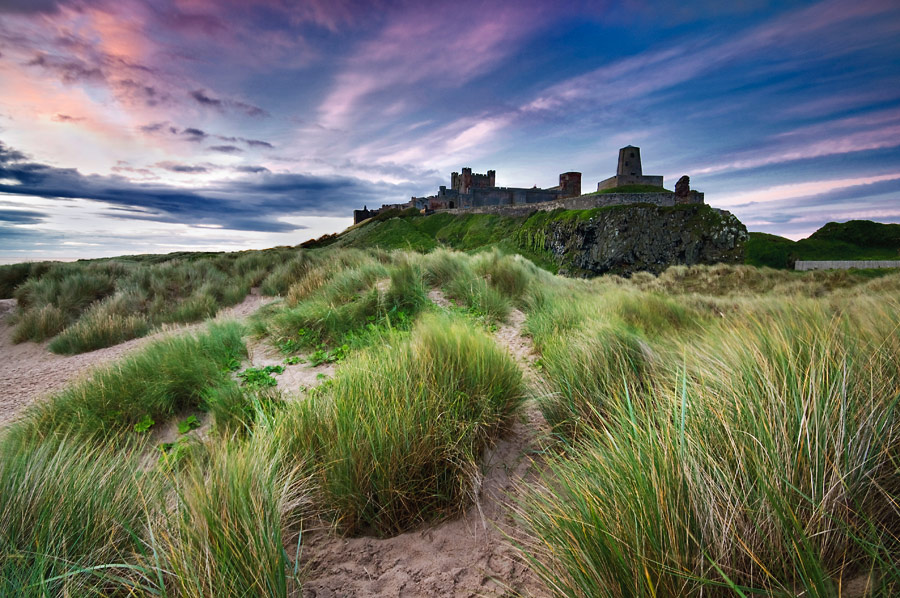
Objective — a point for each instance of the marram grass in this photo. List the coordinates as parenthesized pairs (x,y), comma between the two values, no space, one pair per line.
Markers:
(760,458)
(398,437)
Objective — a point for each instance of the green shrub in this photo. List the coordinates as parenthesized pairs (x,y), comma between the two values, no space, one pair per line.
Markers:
(587,371)
(38,324)
(97,330)
(284,275)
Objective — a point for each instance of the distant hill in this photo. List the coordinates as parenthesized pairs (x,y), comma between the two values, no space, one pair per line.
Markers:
(852,240)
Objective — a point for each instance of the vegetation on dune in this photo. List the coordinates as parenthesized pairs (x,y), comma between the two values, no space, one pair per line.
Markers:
(94,304)
(398,435)
(70,517)
(713,431)
(170,376)
(724,445)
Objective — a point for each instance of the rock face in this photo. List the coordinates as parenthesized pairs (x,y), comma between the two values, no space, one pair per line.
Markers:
(627,239)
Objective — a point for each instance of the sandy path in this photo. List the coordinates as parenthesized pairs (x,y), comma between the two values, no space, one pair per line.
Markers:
(28,371)
(466,556)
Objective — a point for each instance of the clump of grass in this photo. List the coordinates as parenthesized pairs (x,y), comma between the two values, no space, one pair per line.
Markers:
(479,296)
(348,309)
(442,265)
(589,371)
(168,376)
(237,410)
(397,436)
(99,303)
(38,324)
(283,276)
(96,331)
(506,273)
(71,518)
(769,467)
(224,536)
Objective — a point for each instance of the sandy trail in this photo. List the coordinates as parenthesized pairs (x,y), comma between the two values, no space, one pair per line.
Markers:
(28,371)
(467,556)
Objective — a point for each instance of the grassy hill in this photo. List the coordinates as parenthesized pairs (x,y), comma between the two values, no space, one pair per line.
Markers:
(852,240)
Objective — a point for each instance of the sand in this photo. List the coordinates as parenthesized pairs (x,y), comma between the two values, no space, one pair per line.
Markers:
(28,371)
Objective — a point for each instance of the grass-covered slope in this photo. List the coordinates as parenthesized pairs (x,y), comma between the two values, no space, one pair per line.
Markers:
(852,240)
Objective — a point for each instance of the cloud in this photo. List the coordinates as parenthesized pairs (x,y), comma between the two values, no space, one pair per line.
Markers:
(251,169)
(205,99)
(195,134)
(256,203)
(226,149)
(69,70)
(29,6)
(192,134)
(420,44)
(65,118)
(183,168)
(21,216)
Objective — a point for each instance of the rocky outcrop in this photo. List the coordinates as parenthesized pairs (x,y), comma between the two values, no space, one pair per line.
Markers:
(632,238)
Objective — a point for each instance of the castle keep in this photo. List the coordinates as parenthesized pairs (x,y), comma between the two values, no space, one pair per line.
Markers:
(629,171)
(478,193)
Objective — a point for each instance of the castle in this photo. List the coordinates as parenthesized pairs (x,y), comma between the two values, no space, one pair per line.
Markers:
(478,192)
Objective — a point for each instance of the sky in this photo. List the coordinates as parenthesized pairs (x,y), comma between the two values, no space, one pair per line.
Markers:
(154,126)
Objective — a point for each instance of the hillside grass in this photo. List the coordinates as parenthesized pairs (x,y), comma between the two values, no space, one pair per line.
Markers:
(713,431)
(852,240)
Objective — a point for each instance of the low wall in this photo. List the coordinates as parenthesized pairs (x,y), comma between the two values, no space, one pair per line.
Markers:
(584,202)
(844,264)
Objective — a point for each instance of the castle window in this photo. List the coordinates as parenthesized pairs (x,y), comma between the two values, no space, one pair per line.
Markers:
(632,154)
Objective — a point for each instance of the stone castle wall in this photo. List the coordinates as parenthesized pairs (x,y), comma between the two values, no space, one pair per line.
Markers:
(584,202)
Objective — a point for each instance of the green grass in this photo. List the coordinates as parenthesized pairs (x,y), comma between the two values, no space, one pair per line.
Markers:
(92,304)
(714,430)
(397,437)
(167,377)
(752,453)
(225,534)
(71,518)
(852,240)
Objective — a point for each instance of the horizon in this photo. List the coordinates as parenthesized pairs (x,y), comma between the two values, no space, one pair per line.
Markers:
(191,125)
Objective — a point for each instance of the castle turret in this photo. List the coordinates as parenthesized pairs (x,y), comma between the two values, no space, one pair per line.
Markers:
(570,184)
(630,162)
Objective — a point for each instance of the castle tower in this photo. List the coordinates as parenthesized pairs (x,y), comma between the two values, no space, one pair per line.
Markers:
(630,162)
(570,184)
